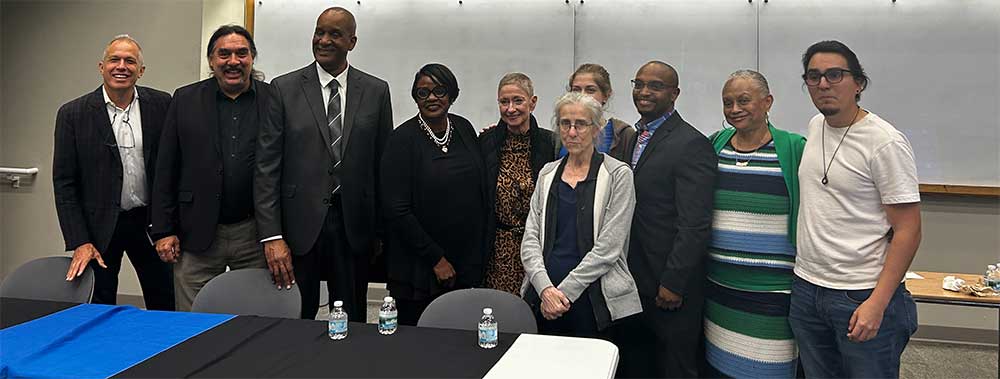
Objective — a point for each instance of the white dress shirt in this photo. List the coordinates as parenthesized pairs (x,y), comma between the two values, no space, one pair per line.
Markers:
(126,123)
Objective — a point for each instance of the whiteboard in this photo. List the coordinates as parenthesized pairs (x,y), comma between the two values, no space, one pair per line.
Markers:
(704,40)
(934,69)
(934,64)
(479,41)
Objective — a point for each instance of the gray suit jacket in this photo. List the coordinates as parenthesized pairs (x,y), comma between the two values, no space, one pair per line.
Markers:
(293,183)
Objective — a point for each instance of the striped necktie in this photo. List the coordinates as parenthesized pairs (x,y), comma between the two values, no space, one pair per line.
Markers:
(640,145)
(335,121)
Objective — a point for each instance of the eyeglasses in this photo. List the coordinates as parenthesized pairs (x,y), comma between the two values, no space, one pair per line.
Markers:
(565,124)
(517,101)
(833,76)
(423,93)
(657,86)
(126,133)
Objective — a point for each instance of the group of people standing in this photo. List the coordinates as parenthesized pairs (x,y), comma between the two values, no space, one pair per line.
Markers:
(736,255)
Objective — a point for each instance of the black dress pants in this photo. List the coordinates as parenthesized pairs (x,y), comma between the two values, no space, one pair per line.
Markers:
(660,343)
(331,260)
(155,276)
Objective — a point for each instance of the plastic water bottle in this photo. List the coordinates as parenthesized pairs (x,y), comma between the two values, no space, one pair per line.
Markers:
(996,277)
(992,277)
(387,316)
(487,330)
(338,321)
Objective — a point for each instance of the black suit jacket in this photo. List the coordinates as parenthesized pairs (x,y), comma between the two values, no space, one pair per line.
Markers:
(674,188)
(293,184)
(87,167)
(188,189)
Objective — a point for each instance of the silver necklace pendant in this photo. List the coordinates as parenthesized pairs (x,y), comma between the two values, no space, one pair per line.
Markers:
(444,149)
(825,180)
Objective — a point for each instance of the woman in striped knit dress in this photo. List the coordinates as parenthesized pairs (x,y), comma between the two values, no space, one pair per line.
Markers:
(752,251)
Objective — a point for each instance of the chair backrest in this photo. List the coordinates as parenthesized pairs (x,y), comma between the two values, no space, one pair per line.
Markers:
(45,279)
(248,292)
(462,309)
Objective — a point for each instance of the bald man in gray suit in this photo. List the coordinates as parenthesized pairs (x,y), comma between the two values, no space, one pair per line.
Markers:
(317,170)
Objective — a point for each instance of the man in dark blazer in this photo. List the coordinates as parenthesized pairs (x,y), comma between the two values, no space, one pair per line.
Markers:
(317,170)
(674,168)
(203,195)
(102,170)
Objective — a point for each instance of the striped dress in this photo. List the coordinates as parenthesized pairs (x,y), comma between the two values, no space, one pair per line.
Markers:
(750,269)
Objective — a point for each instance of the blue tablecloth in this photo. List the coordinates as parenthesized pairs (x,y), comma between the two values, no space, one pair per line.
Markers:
(95,341)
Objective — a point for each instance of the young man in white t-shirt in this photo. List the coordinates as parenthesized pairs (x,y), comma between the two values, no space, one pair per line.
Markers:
(858,228)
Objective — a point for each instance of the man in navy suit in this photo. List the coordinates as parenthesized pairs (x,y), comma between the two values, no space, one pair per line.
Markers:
(102,172)
(674,167)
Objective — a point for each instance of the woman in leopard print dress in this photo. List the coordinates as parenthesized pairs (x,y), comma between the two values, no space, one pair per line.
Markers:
(514,152)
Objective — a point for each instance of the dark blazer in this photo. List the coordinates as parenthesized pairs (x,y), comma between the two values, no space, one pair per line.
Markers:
(543,150)
(411,252)
(87,168)
(675,188)
(188,188)
(293,183)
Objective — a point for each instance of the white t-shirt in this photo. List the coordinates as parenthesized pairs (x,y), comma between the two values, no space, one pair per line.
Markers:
(842,227)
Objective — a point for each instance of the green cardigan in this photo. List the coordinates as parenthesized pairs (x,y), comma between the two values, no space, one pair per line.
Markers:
(789,147)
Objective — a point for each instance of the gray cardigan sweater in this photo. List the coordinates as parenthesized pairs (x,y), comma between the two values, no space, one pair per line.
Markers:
(614,203)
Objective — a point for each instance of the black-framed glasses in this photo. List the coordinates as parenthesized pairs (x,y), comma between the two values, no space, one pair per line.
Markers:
(833,76)
(565,124)
(655,85)
(127,134)
(438,92)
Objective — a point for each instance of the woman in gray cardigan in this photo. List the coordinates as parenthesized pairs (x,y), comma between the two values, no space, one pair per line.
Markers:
(576,235)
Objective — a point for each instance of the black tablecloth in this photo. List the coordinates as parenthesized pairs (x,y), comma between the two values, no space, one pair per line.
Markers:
(249,346)
(16,311)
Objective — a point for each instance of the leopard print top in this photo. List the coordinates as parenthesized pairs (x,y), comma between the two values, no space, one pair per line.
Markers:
(514,188)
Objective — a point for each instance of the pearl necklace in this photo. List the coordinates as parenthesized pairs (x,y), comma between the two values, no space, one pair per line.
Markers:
(442,142)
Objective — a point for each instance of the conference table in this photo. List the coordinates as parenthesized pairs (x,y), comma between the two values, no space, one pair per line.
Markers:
(54,339)
(928,290)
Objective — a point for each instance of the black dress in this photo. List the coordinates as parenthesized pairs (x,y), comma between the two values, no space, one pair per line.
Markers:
(434,207)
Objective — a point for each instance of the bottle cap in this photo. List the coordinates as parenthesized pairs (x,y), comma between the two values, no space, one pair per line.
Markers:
(338,303)
(487,311)
(387,299)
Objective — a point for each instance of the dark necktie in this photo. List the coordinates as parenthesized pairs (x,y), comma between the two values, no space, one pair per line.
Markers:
(335,121)
(640,145)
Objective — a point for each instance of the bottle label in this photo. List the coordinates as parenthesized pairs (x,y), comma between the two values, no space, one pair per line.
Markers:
(338,326)
(387,320)
(487,335)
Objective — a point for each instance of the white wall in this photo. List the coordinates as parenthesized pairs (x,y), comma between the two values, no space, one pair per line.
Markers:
(215,13)
(961,234)
(50,51)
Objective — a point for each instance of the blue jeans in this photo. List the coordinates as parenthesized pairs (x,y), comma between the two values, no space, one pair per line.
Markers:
(819,318)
